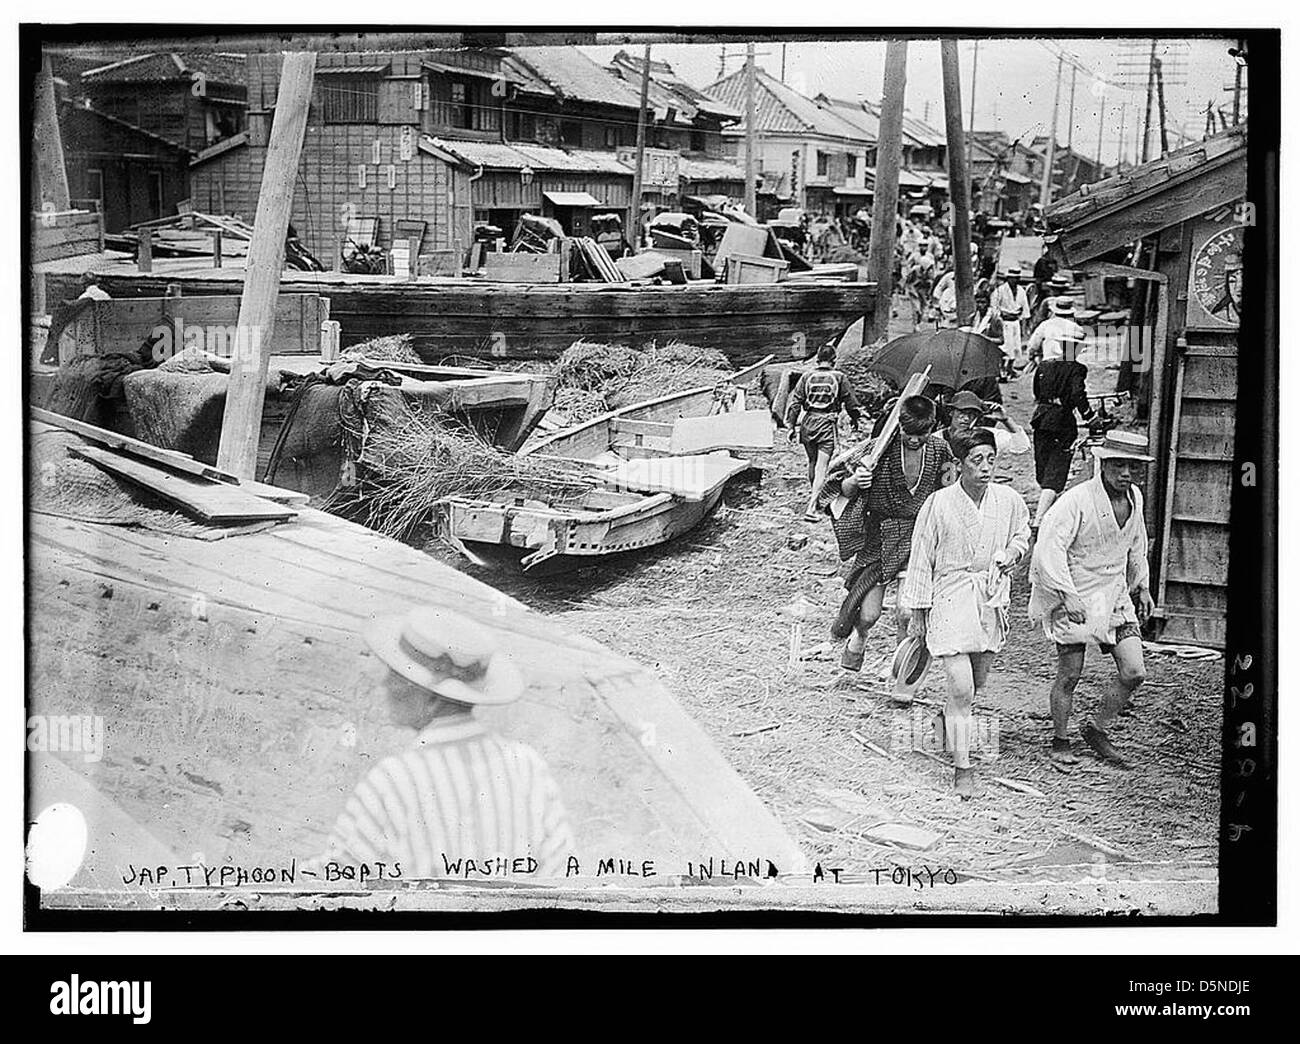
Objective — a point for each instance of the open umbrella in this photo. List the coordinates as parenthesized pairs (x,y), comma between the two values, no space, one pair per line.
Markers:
(955,357)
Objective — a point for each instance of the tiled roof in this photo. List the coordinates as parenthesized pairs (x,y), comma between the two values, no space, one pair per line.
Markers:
(1171,168)
(571,74)
(165,66)
(517,155)
(666,89)
(781,109)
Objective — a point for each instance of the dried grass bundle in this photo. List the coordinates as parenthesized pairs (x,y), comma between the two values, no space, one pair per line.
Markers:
(590,366)
(392,348)
(409,470)
(873,391)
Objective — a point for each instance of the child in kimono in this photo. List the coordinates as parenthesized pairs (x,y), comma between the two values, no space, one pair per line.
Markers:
(967,540)
(1089,580)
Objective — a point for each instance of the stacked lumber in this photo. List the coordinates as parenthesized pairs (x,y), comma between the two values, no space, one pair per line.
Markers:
(597,260)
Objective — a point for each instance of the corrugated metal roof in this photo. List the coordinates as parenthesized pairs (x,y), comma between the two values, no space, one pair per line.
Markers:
(571,74)
(781,109)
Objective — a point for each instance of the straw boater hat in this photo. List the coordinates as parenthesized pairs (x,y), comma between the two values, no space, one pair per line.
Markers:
(447,654)
(911,661)
(1014,270)
(1063,306)
(1123,445)
(1060,279)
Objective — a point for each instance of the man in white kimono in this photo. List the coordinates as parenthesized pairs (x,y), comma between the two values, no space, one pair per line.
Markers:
(968,538)
(1012,305)
(1089,578)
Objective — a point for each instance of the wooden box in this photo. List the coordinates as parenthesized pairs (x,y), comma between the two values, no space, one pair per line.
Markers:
(745,268)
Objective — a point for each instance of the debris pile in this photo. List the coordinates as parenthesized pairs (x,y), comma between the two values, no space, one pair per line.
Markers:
(595,378)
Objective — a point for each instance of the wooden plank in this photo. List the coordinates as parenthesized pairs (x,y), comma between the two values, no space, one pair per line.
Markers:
(1170,474)
(741,239)
(639,427)
(242,421)
(522,268)
(212,502)
(692,478)
(125,444)
(740,430)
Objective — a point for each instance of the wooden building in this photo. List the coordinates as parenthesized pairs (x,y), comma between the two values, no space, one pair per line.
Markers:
(1179,219)
(125,173)
(194,100)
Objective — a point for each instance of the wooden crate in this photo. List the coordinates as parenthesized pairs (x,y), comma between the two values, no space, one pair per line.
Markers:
(692,260)
(526,268)
(745,268)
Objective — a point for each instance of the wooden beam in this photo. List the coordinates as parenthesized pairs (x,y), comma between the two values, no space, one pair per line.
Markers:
(638,176)
(51,190)
(241,424)
(884,212)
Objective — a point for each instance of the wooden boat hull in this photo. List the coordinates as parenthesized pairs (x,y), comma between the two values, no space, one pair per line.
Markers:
(448,317)
(240,708)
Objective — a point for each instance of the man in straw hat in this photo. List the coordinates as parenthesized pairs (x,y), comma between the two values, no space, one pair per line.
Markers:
(459,792)
(1089,578)
(1060,391)
(968,538)
(1010,300)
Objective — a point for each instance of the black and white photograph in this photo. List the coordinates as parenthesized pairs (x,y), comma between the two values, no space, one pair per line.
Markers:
(579,472)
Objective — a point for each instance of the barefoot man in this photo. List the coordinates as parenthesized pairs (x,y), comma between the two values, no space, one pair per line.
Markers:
(819,397)
(968,539)
(1089,577)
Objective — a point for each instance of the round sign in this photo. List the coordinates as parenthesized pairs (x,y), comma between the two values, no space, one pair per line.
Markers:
(1217,276)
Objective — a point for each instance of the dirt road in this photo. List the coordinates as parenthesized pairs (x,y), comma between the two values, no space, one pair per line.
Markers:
(829,752)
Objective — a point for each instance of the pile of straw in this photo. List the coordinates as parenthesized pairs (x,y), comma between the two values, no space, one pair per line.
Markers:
(588,366)
(408,470)
(873,391)
(618,375)
(393,348)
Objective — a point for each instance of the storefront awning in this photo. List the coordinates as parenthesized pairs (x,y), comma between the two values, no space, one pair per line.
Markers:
(844,190)
(572,199)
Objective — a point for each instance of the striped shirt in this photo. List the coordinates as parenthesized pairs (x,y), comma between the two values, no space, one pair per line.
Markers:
(459,793)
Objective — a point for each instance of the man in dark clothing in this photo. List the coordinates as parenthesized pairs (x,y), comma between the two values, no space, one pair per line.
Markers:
(819,396)
(1059,391)
(1044,269)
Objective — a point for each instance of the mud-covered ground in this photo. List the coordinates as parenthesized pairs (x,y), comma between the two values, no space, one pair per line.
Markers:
(834,758)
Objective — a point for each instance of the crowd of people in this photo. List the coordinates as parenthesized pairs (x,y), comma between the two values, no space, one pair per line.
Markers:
(923,513)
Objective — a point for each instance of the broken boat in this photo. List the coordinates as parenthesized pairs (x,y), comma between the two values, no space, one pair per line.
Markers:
(658,468)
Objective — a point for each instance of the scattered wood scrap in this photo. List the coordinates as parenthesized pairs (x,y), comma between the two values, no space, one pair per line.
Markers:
(1016,785)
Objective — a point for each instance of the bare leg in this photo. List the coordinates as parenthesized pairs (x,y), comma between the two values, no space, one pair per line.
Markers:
(1069,665)
(1130,673)
(957,710)
(819,466)
(868,614)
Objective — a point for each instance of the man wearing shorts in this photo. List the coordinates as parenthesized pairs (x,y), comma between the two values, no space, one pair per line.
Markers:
(819,396)
(1089,580)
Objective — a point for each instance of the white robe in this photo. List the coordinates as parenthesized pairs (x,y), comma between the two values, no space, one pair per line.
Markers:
(1006,300)
(1082,550)
(952,572)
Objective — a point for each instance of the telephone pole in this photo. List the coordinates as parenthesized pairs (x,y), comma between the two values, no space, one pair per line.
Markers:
(751,135)
(958,183)
(884,211)
(970,140)
(1045,192)
(638,183)
(1151,87)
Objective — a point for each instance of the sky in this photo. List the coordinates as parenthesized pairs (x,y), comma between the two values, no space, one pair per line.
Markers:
(1014,84)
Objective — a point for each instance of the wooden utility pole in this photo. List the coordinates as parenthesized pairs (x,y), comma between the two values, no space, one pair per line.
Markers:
(751,136)
(1045,191)
(958,183)
(1069,122)
(51,173)
(1119,149)
(638,183)
(1236,83)
(1101,124)
(1151,87)
(241,424)
(1160,96)
(884,212)
(970,138)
